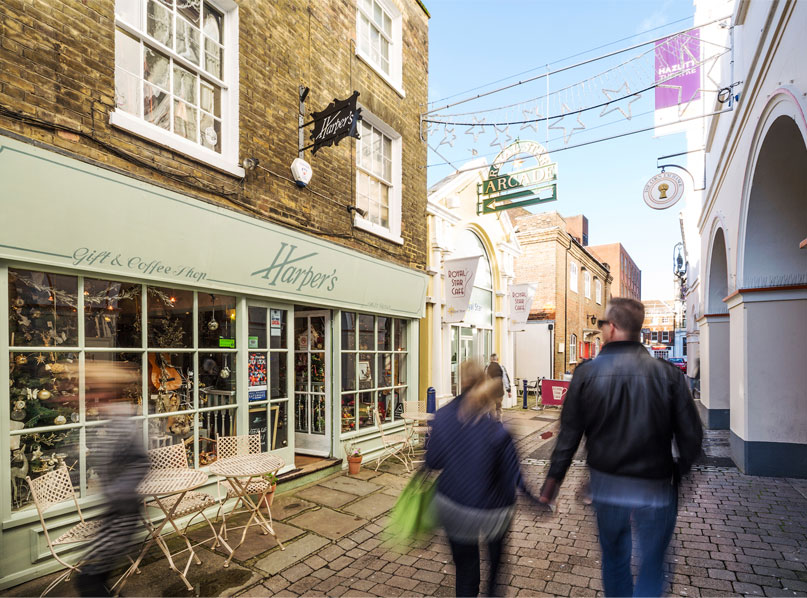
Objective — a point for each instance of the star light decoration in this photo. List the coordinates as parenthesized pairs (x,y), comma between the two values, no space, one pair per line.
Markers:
(566,137)
(609,107)
(477,125)
(505,130)
(448,137)
(528,115)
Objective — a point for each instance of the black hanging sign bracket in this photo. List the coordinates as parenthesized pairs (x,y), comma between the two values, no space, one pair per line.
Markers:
(340,119)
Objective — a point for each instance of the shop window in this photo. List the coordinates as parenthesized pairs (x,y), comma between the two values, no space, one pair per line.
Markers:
(378,179)
(378,34)
(63,376)
(573,276)
(374,374)
(573,348)
(175,79)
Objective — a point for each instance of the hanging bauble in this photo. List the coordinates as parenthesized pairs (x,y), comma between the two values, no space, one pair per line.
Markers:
(212,325)
(18,415)
(224,373)
(19,302)
(19,405)
(21,360)
(60,420)
(44,395)
(74,417)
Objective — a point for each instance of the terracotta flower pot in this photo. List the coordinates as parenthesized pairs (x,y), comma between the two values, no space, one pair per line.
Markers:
(269,497)
(353,465)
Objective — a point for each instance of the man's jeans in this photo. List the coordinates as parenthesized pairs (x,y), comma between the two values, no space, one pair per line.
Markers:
(654,529)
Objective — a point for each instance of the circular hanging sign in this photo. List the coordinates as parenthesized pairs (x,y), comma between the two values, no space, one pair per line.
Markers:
(663,190)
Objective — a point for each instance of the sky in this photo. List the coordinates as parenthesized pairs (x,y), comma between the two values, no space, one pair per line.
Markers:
(473,43)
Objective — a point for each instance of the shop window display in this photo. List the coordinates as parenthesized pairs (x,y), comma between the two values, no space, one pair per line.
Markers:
(128,330)
(375,367)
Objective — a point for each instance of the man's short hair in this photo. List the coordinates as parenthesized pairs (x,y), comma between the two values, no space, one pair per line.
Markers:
(627,315)
(493,356)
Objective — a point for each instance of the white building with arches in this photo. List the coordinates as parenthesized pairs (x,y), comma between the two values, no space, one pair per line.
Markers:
(747,295)
(456,230)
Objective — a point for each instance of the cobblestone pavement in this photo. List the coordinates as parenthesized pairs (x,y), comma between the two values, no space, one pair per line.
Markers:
(736,535)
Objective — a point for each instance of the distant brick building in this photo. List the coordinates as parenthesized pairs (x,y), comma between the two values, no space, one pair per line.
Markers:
(627,276)
(573,286)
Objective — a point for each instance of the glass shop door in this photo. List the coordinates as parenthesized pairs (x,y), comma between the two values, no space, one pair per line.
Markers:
(312,405)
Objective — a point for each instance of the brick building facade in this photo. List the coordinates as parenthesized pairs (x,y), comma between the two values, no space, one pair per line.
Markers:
(627,276)
(572,285)
(151,223)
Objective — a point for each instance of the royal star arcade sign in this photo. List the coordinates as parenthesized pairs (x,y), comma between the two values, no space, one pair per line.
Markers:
(522,186)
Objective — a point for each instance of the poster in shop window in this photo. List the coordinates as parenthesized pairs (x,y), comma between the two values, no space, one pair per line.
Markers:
(275,319)
(256,369)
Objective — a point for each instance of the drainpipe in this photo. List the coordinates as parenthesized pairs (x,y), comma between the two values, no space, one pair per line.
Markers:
(565,311)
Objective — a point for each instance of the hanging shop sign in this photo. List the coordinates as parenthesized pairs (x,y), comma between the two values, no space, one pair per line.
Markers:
(459,276)
(518,187)
(521,296)
(663,190)
(339,120)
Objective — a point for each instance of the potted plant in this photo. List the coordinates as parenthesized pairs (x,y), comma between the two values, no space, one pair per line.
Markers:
(353,459)
(270,495)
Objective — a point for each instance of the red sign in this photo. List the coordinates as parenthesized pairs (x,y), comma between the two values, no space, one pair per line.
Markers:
(553,392)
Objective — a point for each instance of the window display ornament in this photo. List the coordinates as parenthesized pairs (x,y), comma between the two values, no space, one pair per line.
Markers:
(212,325)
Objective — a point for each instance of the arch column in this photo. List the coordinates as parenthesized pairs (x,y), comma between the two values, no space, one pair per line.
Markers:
(768,384)
(714,401)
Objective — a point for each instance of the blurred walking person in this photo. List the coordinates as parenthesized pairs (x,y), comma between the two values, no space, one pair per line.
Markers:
(494,371)
(120,460)
(476,489)
(634,410)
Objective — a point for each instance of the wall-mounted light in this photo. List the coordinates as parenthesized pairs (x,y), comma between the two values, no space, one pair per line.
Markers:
(359,211)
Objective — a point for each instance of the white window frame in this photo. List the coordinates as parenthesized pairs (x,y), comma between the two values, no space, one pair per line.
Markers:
(395,77)
(587,283)
(393,233)
(227,160)
(573,276)
(598,291)
(572,348)
(665,336)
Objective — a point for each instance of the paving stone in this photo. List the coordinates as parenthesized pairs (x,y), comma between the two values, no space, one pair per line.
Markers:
(295,551)
(288,505)
(350,486)
(297,572)
(326,496)
(257,543)
(371,506)
(327,522)
(748,589)
(366,474)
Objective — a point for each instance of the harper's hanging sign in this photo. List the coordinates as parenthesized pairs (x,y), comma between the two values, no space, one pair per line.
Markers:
(519,186)
(339,120)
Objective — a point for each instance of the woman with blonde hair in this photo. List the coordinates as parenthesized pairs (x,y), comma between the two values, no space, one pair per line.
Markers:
(476,489)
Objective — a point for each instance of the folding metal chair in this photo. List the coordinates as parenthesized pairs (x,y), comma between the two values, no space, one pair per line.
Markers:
(395,445)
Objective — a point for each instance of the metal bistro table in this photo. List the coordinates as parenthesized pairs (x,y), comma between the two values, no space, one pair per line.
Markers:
(162,483)
(240,471)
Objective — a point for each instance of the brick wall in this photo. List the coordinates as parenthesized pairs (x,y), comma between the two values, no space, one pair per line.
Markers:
(57,64)
(627,280)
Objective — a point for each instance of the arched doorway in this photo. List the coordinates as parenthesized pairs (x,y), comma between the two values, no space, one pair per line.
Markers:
(714,338)
(768,313)
(473,337)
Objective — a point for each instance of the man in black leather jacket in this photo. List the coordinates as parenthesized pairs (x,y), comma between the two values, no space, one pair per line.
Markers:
(633,409)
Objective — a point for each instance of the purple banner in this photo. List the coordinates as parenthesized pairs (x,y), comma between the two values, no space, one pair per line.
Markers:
(678,73)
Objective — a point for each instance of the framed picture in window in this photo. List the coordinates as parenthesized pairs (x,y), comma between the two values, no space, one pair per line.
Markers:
(365,374)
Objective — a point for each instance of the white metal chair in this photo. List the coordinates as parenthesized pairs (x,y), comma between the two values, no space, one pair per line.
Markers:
(232,446)
(414,426)
(395,445)
(194,502)
(51,489)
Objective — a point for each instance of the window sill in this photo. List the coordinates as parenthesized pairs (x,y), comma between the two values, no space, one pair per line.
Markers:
(396,86)
(155,134)
(379,231)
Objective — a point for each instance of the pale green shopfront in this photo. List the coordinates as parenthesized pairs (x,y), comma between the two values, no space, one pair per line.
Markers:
(204,321)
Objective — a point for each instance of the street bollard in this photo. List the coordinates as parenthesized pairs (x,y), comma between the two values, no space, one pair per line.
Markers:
(524,395)
(431,400)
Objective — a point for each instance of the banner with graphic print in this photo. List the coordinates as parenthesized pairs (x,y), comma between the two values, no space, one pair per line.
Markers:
(678,80)
(460,274)
(520,296)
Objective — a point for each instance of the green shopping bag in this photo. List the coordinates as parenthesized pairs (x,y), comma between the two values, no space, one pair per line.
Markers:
(413,514)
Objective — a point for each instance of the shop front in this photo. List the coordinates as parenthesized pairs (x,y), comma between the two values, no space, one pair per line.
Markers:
(204,322)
